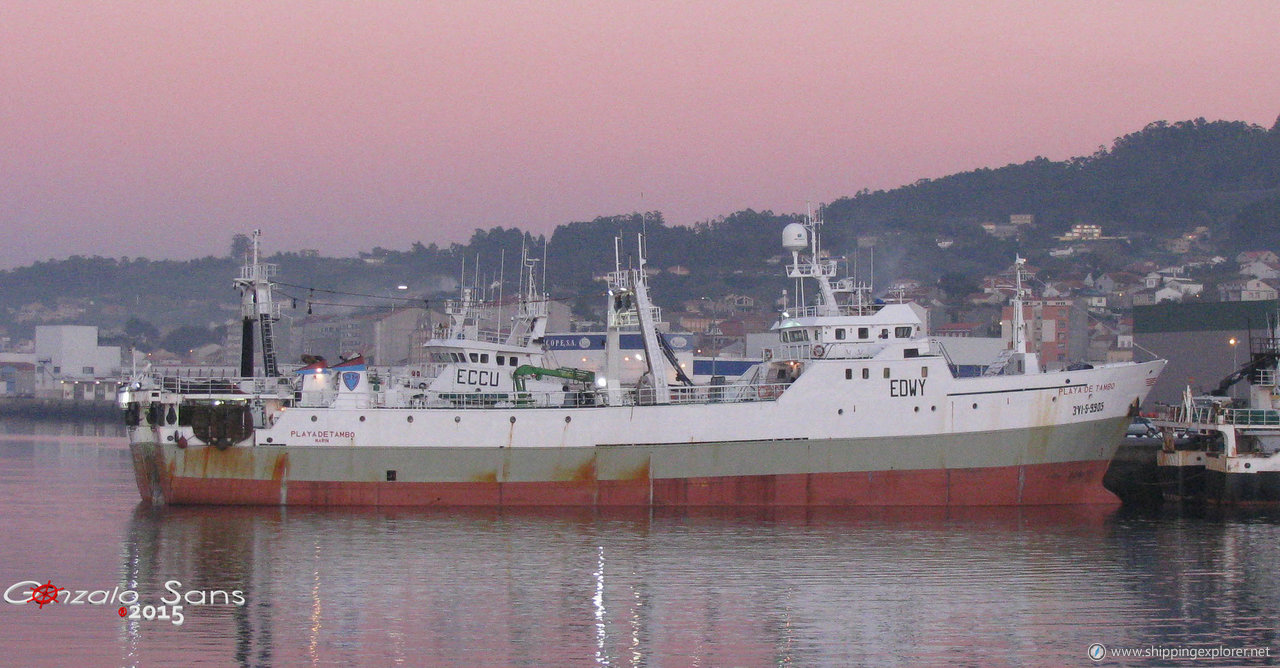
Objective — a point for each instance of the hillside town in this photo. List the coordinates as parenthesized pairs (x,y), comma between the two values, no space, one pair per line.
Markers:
(1075,315)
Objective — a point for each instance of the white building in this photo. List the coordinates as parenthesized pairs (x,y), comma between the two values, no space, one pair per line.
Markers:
(1082,232)
(1246,290)
(1260,269)
(71,365)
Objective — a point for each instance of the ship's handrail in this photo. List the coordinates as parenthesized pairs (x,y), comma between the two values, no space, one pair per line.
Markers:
(1261,345)
(222,386)
(840,310)
(244,388)
(486,335)
(644,396)
(632,318)
(809,350)
(936,344)
(1246,417)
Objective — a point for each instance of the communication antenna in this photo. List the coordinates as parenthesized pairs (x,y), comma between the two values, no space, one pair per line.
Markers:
(502,266)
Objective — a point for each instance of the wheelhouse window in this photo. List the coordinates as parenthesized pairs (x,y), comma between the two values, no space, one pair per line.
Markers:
(864,333)
(794,335)
(475,357)
(484,358)
(502,359)
(839,333)
(902,332)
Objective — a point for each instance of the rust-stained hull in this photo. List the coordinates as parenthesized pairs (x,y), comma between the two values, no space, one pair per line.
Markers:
(934,471)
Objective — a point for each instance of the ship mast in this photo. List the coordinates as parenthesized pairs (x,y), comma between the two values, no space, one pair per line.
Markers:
(629,307)
(531,317)
(1030,360)
(813,266)
(257,305)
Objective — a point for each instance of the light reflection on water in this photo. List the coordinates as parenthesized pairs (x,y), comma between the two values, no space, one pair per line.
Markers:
(627,587)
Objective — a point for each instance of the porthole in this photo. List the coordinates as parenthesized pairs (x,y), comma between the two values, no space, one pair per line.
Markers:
(917,409)
(513,419)
(975,406)
(568,419)
(840,412)
(362,418)
(410,418)
(314,418)
(457,418)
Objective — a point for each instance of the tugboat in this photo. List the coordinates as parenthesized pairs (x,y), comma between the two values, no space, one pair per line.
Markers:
(855,406)
(1229,455)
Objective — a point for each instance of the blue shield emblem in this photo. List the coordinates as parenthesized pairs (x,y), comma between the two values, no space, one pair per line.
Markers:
(351,379)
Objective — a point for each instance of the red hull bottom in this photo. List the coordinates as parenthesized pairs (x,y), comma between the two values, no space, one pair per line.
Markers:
(1041,484)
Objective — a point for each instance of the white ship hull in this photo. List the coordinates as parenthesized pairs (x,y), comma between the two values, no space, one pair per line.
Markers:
(918,437)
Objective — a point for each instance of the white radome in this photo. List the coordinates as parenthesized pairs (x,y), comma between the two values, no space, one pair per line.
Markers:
(795,237)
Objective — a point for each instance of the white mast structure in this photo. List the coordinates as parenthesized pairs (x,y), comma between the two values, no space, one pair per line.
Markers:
(257,305)
(630,307)
(530,323)
(1030,361)
(798,237)
(795,238)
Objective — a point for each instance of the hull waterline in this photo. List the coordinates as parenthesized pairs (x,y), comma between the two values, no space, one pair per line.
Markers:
(920,471)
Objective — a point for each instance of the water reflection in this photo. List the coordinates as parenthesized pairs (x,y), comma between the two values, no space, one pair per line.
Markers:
(1031,586)
(716,587)
(15,428)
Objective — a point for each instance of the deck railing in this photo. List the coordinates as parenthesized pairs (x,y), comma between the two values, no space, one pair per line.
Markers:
(283,388)
(1246,417)
(644,396)
(222,387)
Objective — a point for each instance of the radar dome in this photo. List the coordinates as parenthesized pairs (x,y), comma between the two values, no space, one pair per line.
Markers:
(795,237)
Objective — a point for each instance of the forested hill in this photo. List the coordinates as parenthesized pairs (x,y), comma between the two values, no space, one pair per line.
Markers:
(1156,183)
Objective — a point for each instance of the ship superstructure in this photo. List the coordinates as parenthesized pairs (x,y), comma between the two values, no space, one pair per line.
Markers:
(1221,449)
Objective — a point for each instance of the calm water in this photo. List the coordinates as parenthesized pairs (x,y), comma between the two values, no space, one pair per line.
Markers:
(571,588)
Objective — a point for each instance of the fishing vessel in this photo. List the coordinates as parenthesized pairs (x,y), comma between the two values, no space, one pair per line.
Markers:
(1223,450)
(472,358)
(855,405)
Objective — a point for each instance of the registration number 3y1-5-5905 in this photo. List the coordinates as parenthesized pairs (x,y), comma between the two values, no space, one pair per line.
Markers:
(1085,409)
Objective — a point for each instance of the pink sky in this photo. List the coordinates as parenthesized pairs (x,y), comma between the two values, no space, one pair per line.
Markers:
(159,129)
